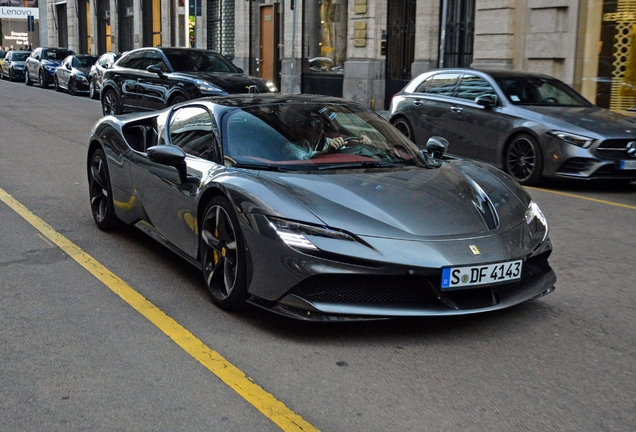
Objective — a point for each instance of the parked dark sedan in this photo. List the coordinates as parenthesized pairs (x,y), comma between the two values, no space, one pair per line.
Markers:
(530,125)
(72,75)
(242,187)
(40,66)
(96,74)
(154,78)
(13,65)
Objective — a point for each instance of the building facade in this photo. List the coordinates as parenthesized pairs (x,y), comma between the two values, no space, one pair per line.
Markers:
(366,50)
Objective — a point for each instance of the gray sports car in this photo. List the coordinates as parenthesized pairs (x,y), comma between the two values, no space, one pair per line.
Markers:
(530,125)
(319,209)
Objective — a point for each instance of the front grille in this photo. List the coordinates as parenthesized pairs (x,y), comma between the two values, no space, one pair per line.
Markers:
(576,166)
(614,149)
(370,289)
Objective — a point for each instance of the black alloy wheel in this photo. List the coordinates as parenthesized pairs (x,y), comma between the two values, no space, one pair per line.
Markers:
(72,87)
(27,78)
(523,160)
(91,90)
(403,125)
(43,83)
(110,103)
(100,192)
(10,75)
(56,85)
(222,255)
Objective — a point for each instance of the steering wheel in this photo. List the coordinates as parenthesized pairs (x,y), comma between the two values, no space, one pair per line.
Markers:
(549,99)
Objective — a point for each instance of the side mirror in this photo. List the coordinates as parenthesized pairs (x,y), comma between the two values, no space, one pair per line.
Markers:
(436,146)
(240,70)
(486,101)
(68,66)
(169,155)
(155,69)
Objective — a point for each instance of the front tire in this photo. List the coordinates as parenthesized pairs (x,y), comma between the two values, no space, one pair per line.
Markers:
(523,160)
(404,126)
(177,99)
(222,255)
(110,103)
(27,78)
(57,85)
(100,191)
(72,87)
(43,83)
(92,93)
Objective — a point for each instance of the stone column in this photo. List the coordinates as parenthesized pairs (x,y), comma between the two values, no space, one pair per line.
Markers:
(292,49)
(494,46)
(426,37)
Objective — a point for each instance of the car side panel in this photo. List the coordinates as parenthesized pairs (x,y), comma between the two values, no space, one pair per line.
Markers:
(427,116)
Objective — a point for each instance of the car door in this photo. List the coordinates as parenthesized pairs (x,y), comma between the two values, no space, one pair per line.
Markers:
(32,64)
(152,87)
(474,130)
(169,199)
(63,72)
(6,62)
(429,106)
(126,77)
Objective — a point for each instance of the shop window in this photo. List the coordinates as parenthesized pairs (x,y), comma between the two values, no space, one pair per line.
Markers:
(325,36)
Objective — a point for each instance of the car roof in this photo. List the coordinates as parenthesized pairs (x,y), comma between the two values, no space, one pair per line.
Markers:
(495,73)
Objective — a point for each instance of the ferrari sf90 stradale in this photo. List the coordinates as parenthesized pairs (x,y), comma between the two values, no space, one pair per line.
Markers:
(319,209)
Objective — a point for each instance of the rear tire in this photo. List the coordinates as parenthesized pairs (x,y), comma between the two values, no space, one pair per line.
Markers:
(57,85)
(222,255)
(523,160)
(100,190)
(404,126)
(91,90)
(27,78)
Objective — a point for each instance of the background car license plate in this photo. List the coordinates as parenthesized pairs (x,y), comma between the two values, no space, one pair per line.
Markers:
(453,277)
(628,165)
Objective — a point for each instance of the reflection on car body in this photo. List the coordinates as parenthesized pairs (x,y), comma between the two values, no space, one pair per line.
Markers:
(530,125)
(367,231)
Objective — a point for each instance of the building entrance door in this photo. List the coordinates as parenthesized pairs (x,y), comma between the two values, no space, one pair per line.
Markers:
(269,40)
(400,46)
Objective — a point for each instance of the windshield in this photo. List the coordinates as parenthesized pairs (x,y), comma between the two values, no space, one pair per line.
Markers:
(305,136)
(56,54)
(19,56)
(529,90)
(82,62)
(198,61)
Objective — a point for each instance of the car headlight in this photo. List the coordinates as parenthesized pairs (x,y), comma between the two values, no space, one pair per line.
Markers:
(571,138)
(271,87)
(206,87)
(536,221)
(50,68)
(82,78)
(295,234)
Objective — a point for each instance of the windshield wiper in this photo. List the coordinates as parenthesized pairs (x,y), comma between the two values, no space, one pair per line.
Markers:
(361,164)
(264,167)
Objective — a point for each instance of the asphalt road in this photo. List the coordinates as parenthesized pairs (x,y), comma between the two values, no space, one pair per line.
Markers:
(75,356)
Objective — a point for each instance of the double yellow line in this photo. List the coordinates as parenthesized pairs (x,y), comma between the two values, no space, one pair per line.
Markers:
(265,402)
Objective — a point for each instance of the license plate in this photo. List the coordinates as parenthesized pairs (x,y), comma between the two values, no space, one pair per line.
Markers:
(628,165)
(455,277)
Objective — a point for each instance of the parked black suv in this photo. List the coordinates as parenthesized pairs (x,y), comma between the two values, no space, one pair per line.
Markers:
(154,78)
(41,64)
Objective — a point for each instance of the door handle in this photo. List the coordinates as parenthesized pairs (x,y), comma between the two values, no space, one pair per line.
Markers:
(417,102)
(456,109)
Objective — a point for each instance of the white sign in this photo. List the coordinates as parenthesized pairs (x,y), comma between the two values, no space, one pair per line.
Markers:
(19,12)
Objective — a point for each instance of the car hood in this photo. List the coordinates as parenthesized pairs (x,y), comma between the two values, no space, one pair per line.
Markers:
(409,203)
(18,63)
(230,82)
(595,119)
(51,62)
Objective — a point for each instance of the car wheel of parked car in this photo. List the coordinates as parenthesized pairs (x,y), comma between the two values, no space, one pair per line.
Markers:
(403,125)
(177,99)
(110,103)
(57,85)
(72,87)
(222,255)
(523,159)
(43,83)
(100,192)
(27,79)
(10,76)
(91,90)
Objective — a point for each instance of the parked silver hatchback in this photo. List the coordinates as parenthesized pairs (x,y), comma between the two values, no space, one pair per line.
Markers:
(530,125)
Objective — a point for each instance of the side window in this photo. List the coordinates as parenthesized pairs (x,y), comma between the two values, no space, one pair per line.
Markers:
(191,129)
(471,87)
(424,85)
(134,60)
(153,58)
(443,84)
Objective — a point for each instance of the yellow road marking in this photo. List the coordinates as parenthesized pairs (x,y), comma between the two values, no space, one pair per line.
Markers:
(600,201)
(265,402)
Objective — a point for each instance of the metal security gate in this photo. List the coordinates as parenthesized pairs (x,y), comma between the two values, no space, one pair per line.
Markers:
(457,35)
(400,46)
